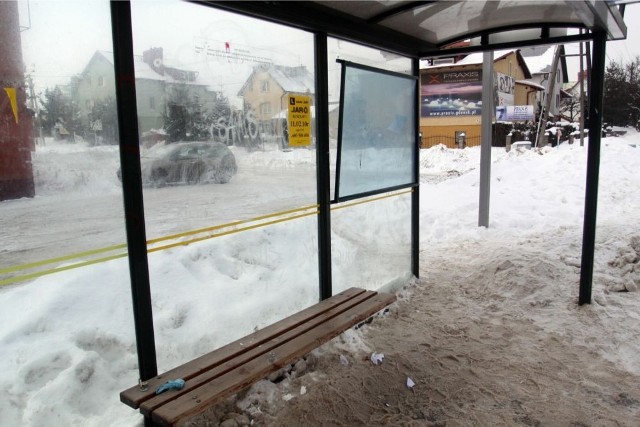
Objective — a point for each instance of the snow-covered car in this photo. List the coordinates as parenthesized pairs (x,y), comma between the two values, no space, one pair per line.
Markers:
(187,163)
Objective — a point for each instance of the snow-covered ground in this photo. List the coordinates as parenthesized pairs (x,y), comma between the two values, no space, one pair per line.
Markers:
(67,339)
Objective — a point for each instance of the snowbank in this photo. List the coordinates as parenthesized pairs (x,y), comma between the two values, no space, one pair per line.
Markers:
(67,339)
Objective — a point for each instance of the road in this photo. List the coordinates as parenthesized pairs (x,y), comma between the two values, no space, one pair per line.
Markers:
(53,226)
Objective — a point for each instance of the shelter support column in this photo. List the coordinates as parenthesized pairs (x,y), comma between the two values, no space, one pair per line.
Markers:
(415,194)
(132,188)
(322,165)
(487,137)
(596,93)
(16,123)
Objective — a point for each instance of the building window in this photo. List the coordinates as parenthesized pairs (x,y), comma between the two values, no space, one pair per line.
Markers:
(558,77)
(264,86)
(557,101)
(100,81)
(265,108)
(152,103)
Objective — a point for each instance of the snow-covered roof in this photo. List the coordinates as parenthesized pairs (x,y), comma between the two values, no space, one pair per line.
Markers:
(477,59)
(539,63)
(145,72)
(293,79)
(290,79)
(472,59)
(530,84)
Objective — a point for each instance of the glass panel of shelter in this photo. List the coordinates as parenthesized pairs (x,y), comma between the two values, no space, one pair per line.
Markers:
(371,241)
(233,237)
(231,248)
(64,281)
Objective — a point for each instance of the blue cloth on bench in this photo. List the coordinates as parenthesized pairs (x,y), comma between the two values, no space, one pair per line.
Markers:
(171,385)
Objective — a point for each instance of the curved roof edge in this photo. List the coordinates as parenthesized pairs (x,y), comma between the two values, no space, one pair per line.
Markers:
(423,28)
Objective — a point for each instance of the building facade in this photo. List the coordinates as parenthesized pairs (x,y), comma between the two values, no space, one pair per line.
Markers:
(266,92)
(451,96)
(540,61)
(156,82)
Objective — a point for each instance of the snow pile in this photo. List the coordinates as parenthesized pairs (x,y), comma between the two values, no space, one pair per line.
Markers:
(270,156)
(76,167)
(68,340)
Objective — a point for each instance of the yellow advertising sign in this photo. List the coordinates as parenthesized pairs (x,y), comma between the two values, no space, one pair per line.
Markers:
(299,122)
(11,93)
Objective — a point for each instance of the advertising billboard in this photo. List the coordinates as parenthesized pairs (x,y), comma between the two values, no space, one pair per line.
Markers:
(515,113)
(451,94)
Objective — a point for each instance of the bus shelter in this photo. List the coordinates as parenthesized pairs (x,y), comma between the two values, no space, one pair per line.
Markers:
(407,29)
(330,87)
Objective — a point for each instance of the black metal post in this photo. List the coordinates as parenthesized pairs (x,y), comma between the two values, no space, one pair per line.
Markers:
(132,187)
(415,194)
(322,165)
(596,93)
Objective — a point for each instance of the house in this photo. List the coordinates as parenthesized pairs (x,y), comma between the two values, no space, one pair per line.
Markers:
(539,59)
(451,95)
(156,82)
(266,90)
(571,95)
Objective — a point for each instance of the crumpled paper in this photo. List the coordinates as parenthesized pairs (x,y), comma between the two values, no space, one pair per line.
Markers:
(410,383)
(376,358)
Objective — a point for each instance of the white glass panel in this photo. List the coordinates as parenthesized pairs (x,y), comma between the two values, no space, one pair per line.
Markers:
(378,132)
(371,245)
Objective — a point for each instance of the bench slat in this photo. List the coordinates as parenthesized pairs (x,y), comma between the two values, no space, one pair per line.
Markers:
(204,396)
(134,396)
(155,402)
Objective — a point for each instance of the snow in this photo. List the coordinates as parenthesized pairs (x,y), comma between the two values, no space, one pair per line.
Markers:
(68,340)
(531,84)
(540,63)
(478,57)
(293,79)
(144,71)
(471,59)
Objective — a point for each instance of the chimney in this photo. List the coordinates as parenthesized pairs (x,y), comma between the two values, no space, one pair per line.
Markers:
(154,58)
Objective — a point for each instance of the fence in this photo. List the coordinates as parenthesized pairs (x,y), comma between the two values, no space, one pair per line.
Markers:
(448,141)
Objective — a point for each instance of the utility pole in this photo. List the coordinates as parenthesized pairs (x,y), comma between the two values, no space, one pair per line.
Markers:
(36,107)
(488,111)
(547,105)
(581,77)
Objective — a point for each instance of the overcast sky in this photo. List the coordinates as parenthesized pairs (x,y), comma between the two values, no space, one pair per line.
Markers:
(59,37)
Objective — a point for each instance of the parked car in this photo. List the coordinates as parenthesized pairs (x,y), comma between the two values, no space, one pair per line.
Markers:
(187,163)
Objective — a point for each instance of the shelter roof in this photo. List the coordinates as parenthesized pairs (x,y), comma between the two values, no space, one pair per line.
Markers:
(421,28)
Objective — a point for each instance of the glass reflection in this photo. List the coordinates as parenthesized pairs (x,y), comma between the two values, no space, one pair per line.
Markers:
(229,197)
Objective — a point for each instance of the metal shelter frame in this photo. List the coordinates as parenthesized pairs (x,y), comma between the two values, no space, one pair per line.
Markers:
(374,24)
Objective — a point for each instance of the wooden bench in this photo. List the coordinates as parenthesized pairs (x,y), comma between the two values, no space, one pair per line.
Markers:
(234,367)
